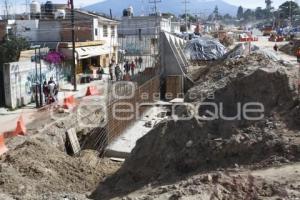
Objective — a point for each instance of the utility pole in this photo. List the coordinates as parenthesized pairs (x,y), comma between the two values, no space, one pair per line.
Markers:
(7,6)
(155,2)
(73,45)
(186,2)
(41,80)
(157,27)
(36,79)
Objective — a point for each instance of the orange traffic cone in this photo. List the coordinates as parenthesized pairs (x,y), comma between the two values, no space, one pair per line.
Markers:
(89,92)
(69,102)
(21,128)
(3,148)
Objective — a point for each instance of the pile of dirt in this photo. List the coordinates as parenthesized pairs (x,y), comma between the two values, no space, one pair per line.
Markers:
(38,167)
(253,70)
(228,184)
(177,148)
(37,170)
(291,48)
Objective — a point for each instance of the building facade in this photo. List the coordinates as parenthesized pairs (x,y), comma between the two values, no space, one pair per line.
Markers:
(21,78)
(96,39)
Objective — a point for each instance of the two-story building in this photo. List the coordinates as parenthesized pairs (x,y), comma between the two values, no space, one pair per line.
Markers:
(139,34)
(96,36)
(96,40)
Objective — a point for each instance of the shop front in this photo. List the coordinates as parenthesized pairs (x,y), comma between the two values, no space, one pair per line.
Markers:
(88,60)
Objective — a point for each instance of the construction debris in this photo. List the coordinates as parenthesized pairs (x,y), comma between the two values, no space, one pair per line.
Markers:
(204,49)
(195,158)
(291,48)
(175,149)
(36,170)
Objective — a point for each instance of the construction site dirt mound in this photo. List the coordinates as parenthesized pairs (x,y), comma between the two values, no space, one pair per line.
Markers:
(37,170)
(227,185)
(177,148)
(37,166)
(291,48)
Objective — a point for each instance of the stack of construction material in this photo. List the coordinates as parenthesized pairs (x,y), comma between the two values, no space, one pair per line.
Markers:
(243,50)
(204,49)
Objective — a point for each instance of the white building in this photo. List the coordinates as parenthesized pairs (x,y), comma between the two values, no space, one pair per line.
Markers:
(144,25)
(175,27)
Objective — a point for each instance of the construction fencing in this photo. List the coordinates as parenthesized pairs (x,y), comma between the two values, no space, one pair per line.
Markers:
(123,112)
(124,107)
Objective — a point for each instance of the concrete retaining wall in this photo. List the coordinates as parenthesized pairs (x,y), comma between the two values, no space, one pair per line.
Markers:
(19,82)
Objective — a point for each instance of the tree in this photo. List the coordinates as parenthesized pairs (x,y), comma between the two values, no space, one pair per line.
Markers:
(227,16)
(11,48)
(189,17)
(240,12)
(288,9)
(268,5)
(269,8)
(259,13)
(216,12)
(216,15)
(249,14)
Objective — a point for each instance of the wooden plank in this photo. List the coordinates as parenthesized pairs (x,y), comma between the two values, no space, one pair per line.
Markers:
(73,139)
(174,85)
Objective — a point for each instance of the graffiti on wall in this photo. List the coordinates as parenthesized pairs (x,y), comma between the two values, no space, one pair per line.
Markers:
(30,78)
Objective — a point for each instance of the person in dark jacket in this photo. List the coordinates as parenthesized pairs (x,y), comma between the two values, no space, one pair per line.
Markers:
(127,67)
(118,73)
(46,91)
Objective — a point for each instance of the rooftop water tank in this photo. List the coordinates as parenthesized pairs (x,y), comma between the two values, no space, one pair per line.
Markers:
(130,11)
(49,7)
(35,7)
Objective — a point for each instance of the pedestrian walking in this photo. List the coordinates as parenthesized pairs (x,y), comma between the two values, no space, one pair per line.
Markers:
(140,63)
(298,55)
(100,72)
(53,92)
(127,67)
(275,47)
(118,73)
(110,67)
(132,67)
(46,91)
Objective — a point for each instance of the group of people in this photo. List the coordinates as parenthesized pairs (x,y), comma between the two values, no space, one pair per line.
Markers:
(129,69)
(131,66)
(50,91)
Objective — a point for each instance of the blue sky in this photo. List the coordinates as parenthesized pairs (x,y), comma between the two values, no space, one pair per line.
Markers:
(19,5)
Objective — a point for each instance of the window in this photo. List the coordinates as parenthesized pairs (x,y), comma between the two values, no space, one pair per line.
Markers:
(105,31)
(96,31)
(113,32)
